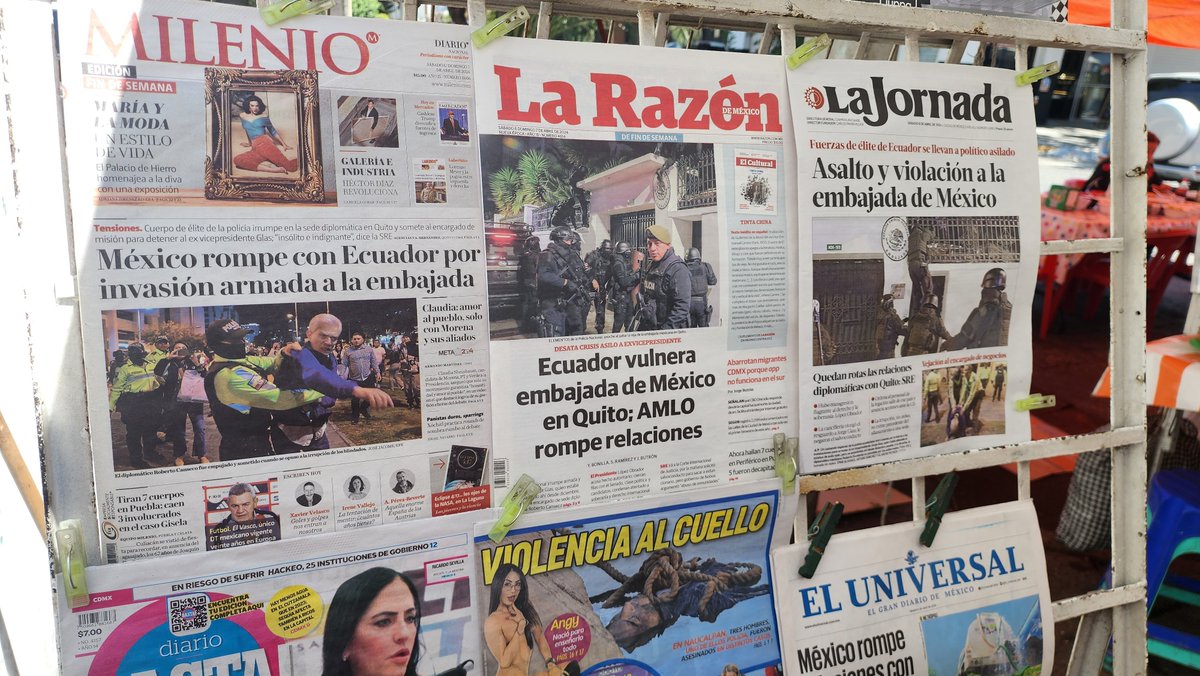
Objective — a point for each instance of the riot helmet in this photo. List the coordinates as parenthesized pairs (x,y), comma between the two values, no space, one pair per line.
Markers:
(622,247)
(693,254)
(994,279)
(533,244)
(137,353)
(886,301)
(563,235)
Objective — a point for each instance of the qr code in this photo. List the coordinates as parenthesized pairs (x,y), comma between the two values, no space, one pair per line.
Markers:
(187,614)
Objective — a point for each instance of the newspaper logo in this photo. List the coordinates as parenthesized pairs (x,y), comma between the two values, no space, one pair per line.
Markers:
(814,98)
(188,614)
(895,238)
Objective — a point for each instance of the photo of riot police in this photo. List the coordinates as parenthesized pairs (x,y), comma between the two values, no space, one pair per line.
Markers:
(910,286)
(198,385)
(592,237)
(962,400)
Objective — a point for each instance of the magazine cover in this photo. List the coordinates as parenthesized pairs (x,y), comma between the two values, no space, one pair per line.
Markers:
(388,600)
(880,603)
(918,204)
(653,587)
(281,271)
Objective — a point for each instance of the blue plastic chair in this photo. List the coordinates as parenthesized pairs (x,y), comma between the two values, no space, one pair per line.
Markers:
(1173,502)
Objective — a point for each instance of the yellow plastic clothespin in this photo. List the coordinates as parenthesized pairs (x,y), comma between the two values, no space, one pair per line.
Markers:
(818,534)
(498,27)
(281,11)
(808,50)
(1034,74)
(518,499)
(785,462)
(935,507)
(68,540)
(1036,401)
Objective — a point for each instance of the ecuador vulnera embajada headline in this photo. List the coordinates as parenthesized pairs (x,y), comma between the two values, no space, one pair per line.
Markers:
(567,550)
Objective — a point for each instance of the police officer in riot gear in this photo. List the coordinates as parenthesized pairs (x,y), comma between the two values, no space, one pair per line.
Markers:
(666,284)
(987,325)
(702,278)
(136,396)
(621,280)
(888,328)
(564,287)
(919,240)
(924,330)
(527,280)
(598,264)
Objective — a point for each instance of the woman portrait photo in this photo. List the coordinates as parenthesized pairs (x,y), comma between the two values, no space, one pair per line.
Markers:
(356,488)
(373,626)
(513,629)
(266,147)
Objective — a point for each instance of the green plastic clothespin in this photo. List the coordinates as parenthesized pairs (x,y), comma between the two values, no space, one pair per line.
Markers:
(818,534)
(281,11)
(1034,74)
(785,462)
(521,496)
(500,26)
(808,50)
(935,507)
(1036,401)
(68,539)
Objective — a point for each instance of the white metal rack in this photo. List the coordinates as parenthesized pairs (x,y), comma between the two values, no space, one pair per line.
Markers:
(38,223)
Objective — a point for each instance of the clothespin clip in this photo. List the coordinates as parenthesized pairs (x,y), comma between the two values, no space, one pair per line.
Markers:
(518,499)
(818,534)
(935,507)
(785,462)
(281,11)
(808,50)
(1195,343)
(72,561)
(498,27)
(1034,74)
(1035,401)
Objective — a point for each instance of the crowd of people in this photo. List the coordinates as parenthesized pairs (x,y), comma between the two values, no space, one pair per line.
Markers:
(966,388)
(264,399)
(655,290)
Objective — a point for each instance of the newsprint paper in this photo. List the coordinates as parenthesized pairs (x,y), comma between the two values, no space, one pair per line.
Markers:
(274,184)
(676,585)
(880,604)
(919,213)
(373,602)
(619,370)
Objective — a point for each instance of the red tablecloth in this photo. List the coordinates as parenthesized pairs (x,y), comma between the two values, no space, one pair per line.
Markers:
(1093,224)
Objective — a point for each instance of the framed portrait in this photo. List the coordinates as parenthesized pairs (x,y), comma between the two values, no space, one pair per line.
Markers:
(264,135)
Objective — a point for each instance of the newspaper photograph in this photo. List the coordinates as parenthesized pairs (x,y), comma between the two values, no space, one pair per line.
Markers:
(679,584)
(920,223)
(880,603)
(404,604)
(281,272)
(639,268)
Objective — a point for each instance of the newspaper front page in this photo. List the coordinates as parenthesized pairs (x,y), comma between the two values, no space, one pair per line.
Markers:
(625,364)
(372,602)
(918,204)
(237,187)
(679,584)
(880,603)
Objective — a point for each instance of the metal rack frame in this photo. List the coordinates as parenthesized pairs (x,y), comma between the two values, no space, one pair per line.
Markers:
(43,220)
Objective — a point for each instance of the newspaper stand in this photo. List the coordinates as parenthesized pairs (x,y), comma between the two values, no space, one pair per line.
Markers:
(35,184)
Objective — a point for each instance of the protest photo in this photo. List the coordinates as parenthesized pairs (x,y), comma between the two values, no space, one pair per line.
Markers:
(962,400)
(570,243)
(224,383)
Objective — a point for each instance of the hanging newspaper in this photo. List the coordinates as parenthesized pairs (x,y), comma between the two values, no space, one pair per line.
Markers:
(974,603)
(668,586)
(237,187)
(600,177)
(919,214)
(331,605)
